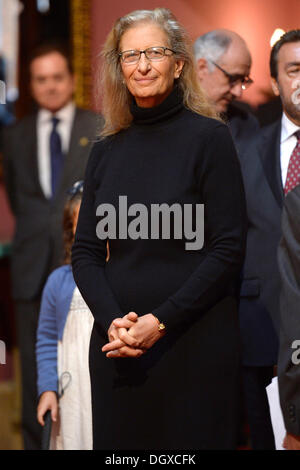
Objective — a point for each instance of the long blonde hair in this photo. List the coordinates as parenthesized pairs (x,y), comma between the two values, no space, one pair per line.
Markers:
(116,97)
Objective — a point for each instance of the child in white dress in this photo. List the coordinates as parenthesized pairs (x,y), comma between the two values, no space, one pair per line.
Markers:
(63,337)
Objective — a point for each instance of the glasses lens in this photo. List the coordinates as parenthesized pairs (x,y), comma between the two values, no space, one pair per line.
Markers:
(245,82)
(130,57)
(155,53)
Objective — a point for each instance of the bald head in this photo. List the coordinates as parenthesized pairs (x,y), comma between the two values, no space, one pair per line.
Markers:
(228,50)
(238,45)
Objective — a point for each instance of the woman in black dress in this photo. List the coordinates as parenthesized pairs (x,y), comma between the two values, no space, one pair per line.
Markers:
(164,351)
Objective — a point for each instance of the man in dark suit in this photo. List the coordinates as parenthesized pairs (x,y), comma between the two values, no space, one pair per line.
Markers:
(285,71)
(44,154)
(289,352)
(223,64)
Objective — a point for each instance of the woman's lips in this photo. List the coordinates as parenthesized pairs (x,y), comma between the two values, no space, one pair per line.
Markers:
(144,80)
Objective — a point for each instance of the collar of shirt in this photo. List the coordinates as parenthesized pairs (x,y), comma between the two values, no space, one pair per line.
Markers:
(288,128)
(65,114)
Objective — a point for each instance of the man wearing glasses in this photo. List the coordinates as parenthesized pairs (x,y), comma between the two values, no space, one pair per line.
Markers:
(223,65)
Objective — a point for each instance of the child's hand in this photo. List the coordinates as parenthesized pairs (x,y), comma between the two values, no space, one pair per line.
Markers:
(48,401)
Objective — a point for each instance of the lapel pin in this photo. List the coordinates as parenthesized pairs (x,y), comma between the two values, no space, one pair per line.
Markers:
(84,141)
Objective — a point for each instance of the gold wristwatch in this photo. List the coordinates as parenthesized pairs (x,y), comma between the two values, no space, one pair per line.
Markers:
(161,326)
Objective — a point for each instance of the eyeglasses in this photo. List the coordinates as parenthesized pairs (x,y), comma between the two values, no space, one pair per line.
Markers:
(77,188)
(152,53)
(235,79)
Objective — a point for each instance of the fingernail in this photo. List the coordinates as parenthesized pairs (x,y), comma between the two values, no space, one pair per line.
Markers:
(111,353)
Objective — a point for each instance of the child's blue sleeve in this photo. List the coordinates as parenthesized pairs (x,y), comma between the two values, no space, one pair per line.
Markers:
(47,337)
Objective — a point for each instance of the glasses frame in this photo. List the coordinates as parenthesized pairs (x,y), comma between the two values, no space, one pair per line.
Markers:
(245,81)
(120,54)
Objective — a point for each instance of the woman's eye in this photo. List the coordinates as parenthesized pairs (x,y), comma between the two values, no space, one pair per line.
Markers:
(155,54)
(130,55)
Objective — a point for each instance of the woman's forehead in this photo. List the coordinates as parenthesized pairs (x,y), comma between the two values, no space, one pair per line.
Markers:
(143,35)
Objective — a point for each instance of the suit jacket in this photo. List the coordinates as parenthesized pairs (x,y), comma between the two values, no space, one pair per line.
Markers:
(38,239)
(289,353)
(259,154)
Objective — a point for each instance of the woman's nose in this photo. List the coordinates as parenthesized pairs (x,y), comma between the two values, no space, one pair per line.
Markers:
(144,64)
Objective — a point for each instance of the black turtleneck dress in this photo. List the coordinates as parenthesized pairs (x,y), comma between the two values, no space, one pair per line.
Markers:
(183,393)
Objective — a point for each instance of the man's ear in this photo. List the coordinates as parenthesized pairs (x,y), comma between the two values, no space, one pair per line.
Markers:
(202,68)
(275,86)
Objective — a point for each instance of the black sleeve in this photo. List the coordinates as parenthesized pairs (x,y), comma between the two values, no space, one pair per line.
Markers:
(89,254)
(289,351)
(222,192)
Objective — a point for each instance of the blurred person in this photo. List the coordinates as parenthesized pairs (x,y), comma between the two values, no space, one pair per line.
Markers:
(6,115)
(284,135)
(167,379)
(223,65)
(6,108)
(63,337)
(289,352)
(44,154)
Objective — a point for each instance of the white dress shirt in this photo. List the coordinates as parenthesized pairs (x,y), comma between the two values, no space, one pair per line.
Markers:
(44,128)
(288,142)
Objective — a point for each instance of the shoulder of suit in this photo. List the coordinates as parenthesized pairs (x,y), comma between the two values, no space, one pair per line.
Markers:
(88,114)
(242,111)
(90,119)
(21,125)
(271,129)
(242,122)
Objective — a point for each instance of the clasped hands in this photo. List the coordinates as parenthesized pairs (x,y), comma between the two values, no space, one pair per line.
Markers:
(131,336)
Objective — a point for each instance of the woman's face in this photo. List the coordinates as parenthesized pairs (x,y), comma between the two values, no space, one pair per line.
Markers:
(150,82)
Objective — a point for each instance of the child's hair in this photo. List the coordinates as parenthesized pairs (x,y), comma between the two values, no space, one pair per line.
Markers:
(75,196)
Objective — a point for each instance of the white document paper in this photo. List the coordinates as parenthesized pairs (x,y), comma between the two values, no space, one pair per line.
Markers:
(276,413)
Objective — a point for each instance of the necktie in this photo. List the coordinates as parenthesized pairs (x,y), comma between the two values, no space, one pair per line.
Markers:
(57,159)
(293,173)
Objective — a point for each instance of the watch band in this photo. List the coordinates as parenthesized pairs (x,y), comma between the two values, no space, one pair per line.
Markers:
(161,326)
